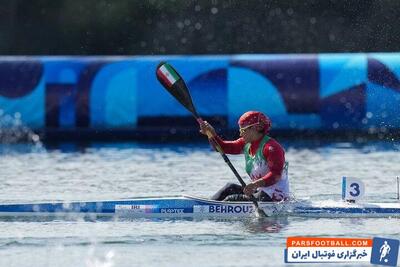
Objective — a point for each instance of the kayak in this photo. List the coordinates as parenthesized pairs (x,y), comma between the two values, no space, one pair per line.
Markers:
(191,206)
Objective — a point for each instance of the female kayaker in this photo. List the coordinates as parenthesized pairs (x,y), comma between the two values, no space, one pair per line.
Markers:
(264,157)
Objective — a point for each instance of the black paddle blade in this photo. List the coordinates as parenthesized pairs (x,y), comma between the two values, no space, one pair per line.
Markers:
(175,85)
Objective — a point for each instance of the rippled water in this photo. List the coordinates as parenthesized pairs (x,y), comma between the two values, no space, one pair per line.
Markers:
(111,171)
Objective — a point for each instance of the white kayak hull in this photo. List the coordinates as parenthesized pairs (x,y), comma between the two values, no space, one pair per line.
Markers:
(189,206)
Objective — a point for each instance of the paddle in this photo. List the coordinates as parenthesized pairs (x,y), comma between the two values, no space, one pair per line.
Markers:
(175,85)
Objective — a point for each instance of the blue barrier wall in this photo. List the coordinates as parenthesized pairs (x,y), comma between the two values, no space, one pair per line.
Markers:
(320,92)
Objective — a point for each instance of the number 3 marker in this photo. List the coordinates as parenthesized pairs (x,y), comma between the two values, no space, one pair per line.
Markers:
(352,189)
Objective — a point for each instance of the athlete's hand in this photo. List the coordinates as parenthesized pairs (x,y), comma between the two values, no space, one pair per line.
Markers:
(207,129)
(250,189)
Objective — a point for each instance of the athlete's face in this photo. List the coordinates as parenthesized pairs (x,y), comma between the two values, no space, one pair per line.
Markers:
(250,133)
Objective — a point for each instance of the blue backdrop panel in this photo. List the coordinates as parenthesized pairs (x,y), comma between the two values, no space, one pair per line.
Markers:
(113,95)
(285,87)
(318,92)
(61,77)
(342,90)
(383,92)
(22,91)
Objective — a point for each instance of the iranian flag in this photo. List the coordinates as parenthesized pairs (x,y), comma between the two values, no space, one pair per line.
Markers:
(167,74)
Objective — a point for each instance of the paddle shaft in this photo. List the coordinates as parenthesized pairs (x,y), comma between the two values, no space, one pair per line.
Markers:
(223,155)
(226,159)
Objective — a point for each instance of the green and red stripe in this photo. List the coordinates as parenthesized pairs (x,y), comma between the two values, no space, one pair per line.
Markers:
(167,74)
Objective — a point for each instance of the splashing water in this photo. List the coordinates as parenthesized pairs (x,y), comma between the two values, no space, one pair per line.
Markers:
(105,261)
(12,130)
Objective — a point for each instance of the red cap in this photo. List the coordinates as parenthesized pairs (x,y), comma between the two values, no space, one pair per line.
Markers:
(255,117)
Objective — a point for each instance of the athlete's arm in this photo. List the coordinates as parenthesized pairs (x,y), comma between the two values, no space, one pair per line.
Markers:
(230,147)
(275,156)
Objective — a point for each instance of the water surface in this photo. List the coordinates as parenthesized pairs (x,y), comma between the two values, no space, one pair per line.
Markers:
(120,170)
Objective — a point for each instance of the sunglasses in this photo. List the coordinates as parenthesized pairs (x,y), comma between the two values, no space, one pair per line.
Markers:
(244,129)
